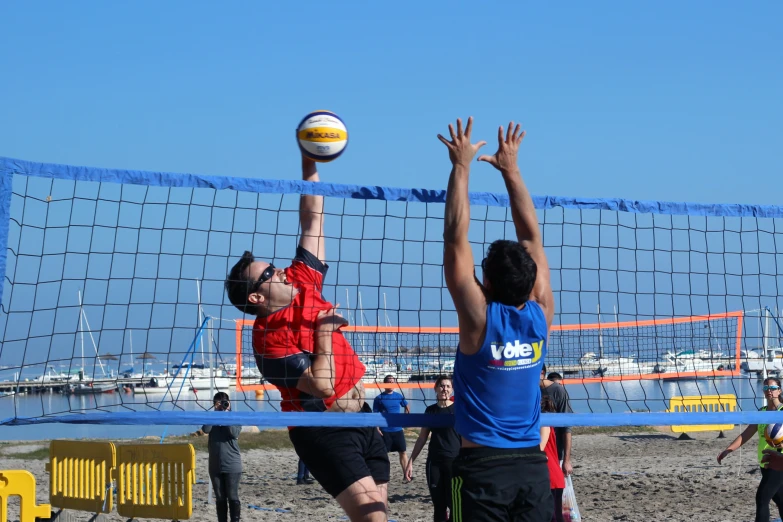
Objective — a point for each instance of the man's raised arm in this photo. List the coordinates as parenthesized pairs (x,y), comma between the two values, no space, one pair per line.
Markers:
(524,214)
(458,265)
(311,215)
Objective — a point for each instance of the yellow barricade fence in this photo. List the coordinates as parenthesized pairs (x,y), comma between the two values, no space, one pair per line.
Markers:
(81,475)
(22,484)
(703,403)
(155,480)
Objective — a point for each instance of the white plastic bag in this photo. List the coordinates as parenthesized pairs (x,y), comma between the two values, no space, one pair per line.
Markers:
(570,508)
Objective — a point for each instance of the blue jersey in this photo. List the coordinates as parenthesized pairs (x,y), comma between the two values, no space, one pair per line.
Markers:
(497,398)
(389,403)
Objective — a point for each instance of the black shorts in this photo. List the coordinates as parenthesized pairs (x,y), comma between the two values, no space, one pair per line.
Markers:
(395,441)
(501,484)
(338,457)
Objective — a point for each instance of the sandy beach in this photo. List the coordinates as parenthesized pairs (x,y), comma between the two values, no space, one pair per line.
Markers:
(640,475)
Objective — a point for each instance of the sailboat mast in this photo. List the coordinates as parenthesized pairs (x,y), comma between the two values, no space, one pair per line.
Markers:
(198,321)
(81,326)
(361,320)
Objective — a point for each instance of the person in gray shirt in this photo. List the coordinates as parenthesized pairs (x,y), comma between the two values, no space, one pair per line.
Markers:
(225,462)
(559,396)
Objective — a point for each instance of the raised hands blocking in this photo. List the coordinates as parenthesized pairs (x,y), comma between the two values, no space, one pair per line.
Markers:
(461,150)
(505,159)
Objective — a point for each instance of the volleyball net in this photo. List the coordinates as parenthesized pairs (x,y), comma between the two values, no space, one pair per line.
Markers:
(113,307)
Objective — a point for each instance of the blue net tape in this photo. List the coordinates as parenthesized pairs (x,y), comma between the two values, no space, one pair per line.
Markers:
(277,419)
(166,179)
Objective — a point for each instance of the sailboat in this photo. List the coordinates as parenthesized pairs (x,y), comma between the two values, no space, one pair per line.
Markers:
(83,384)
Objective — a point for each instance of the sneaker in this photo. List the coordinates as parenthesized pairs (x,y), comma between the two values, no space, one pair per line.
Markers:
(309,480)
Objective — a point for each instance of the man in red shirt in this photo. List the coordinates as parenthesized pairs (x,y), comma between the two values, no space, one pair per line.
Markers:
(300,350)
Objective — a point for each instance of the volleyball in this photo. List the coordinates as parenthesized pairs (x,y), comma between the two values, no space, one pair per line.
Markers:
(322,136)
(774,434)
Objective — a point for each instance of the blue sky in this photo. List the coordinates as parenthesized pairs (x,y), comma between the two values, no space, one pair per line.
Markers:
(645,101)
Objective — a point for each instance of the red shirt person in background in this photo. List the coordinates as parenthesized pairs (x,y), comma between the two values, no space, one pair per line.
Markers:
(549,446)
(300,350)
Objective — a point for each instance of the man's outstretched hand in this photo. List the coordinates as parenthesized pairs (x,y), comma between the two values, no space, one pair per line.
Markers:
(505,159)
(330,320)
(461,150)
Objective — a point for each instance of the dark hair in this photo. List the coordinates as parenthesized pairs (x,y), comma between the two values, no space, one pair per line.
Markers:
(220,396)
(442,378)
(510,271)
(547,404)
(390,376)
(239,287)
(554,375)
(766,381)
(543,368)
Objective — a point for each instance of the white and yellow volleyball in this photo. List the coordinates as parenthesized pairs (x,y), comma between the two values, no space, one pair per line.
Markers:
(774,435)
(322,136)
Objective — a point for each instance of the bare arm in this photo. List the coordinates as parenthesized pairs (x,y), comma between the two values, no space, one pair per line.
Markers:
(311,215)
(458,264)
(318,379)
(424,434)
(568,469)
(420,442)
(744,437)
(407,408)
(523,213)
(545,430)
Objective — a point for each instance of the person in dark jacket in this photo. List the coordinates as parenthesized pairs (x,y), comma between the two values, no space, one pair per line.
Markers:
(225,462)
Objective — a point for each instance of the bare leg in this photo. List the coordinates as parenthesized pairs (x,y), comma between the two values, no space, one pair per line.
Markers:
(383,489)
(364,501)
(403,462)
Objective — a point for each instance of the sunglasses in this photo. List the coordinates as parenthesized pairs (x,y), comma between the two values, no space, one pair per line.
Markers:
(771,388)
(266,275)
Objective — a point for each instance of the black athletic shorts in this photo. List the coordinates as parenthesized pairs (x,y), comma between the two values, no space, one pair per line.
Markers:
(395,441)
(338,457)
(492,484)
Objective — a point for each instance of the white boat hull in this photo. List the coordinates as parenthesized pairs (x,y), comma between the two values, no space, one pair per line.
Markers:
(198,383)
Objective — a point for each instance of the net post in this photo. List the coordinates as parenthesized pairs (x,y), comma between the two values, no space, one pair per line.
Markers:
(740,320)
(765,344)
(211,384)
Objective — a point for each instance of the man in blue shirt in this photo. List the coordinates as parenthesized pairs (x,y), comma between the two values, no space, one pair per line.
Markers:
(501,474)
(391,401)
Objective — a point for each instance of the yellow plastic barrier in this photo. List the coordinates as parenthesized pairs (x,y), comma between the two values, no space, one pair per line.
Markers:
(155,480)
(81,475)
(703,403)
(22,484)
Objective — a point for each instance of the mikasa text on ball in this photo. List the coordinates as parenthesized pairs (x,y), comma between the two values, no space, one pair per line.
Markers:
(322,136)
